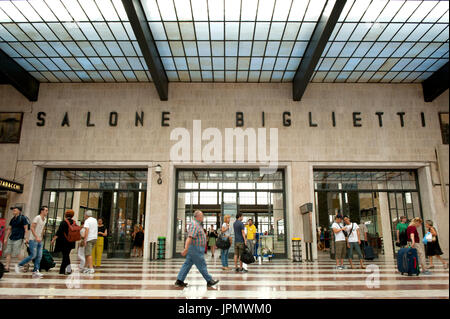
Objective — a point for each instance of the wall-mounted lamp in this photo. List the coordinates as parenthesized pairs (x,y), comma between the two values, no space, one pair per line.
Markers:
(158,171)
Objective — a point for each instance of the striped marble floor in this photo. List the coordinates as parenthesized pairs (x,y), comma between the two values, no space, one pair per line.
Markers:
(134,278)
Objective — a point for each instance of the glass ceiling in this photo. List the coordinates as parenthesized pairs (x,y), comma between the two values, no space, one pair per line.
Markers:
(225,40)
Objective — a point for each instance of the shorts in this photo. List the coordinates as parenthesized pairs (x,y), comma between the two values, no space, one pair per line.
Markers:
(89,246)
(13,247)
(239,249)
(341,249)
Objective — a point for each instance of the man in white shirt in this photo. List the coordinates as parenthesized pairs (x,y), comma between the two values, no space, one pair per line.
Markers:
(354,241)
(35,243)
(90,239)
(340,241)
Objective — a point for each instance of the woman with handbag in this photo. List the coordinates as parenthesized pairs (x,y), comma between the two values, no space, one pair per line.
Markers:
(225,235)
(432,244)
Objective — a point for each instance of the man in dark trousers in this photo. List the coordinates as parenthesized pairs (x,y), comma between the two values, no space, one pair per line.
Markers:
(240,241)
(195,251)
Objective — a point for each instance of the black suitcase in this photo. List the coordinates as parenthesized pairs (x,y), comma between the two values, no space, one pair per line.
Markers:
(368,253)
(47,261)
(247,257)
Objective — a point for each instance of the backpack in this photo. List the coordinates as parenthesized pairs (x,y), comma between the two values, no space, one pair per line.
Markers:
(73,234)
(26,222)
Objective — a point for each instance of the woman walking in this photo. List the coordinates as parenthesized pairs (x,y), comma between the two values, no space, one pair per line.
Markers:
(432,247)
(413,237)
(226,234)
(138,241)
(98,248)
(212,237)
(62,244)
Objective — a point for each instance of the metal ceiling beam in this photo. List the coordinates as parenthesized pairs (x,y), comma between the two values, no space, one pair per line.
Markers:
(147,44)
(436,84)
(13,73)
(319,38)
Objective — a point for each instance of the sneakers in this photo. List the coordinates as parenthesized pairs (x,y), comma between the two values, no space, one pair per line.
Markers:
(88,271)
(212,282)
(37,274)
(244,270)
(18,269)
(180,283)
(427,272)
(238,269)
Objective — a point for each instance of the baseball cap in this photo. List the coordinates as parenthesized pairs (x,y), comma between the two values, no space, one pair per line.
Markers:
(18,207)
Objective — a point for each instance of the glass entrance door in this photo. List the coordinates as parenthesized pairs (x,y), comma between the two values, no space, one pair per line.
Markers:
(403,204)
(57,202)
(127,212)
(117,196)
(227,192)
(230,206)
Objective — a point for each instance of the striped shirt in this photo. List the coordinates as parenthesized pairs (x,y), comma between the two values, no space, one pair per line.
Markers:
(197,233)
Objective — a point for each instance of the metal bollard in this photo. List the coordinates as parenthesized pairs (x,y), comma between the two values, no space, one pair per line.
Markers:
(151,251)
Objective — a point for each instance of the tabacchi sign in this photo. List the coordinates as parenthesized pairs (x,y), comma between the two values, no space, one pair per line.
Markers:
(10,186)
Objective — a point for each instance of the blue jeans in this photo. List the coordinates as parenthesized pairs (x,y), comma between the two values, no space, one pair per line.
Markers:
(357,248)
(225,257)
(36,254)
(195,256)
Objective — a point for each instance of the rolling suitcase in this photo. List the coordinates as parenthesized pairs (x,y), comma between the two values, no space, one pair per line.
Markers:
(47,261)
(408,261)
(368,253)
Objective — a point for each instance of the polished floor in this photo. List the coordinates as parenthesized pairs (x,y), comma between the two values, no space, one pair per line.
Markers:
(134,278)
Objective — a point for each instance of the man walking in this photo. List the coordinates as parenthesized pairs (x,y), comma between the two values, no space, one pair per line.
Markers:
(35,243)
(16,232)
(354,241)
(340,241)
(194,250)
(90,239)
(240,241)
(251,231)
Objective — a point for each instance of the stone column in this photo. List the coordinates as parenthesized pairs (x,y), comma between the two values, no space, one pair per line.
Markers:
(386,225)
(147,215)
(157,214)
(302,192)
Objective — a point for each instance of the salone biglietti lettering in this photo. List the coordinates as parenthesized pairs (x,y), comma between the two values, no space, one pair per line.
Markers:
(286,118)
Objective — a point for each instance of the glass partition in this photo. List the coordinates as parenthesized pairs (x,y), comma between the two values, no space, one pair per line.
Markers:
(225,192)
(368,197)
(118,196)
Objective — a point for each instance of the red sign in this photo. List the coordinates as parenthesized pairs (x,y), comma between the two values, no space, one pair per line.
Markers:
(2,233)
